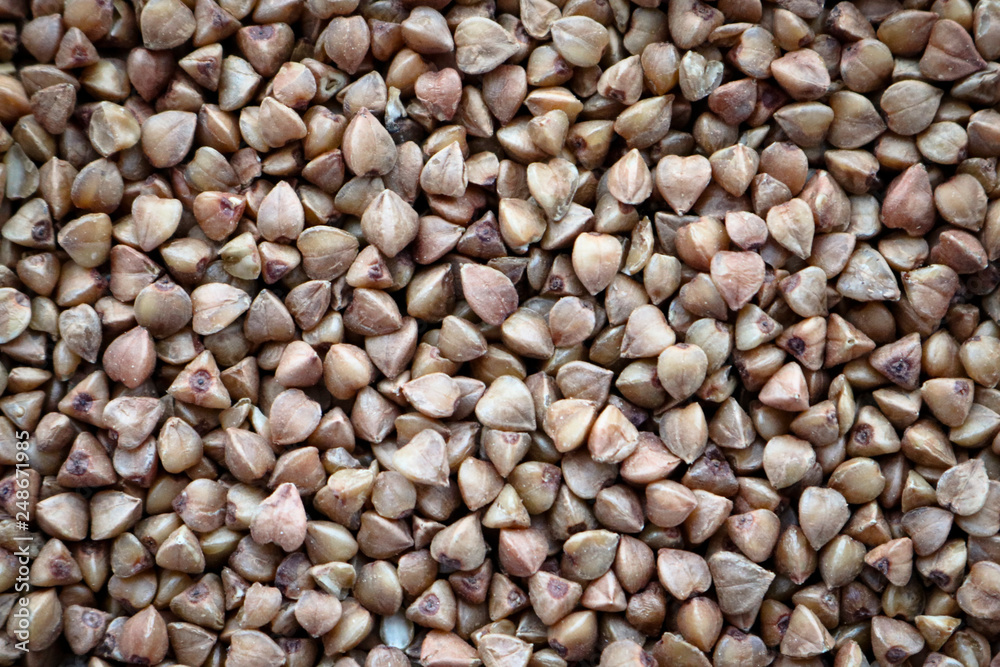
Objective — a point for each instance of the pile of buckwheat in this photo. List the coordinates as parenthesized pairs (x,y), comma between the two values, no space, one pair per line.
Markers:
(513,333)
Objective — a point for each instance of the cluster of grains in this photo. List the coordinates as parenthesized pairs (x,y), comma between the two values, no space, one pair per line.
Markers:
(513,333)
